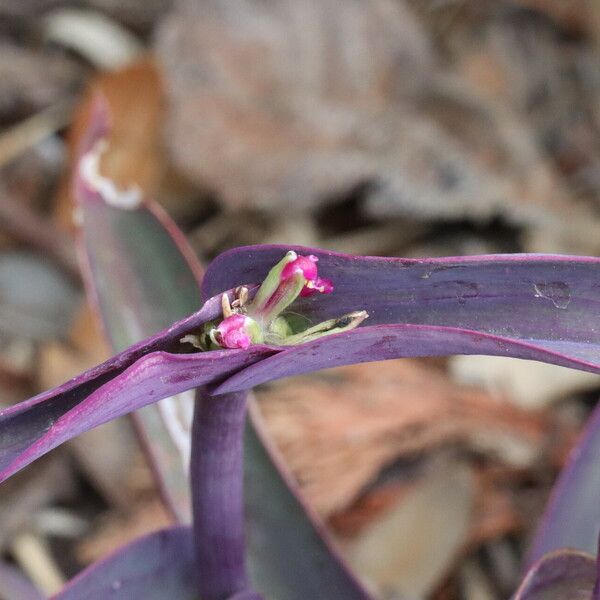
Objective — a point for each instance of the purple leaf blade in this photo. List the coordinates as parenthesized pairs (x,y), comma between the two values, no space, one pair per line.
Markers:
(290,552)
(560,575)
(122,240)
(140,276)
(572,517)
(552,302)
(540,333)
(155,567)
(22,425)
(366,343)
(383,342)
(33,428)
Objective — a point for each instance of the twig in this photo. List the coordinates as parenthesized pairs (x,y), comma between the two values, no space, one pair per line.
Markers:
(17,139)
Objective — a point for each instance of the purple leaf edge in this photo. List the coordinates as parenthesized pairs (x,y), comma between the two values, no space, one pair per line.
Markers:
(172,545)
(558,567)
(553,530)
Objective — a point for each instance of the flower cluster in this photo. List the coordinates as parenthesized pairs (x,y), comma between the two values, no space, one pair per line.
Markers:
(263,320)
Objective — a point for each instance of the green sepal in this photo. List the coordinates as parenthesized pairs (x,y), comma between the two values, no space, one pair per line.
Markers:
(271,283)
(329,327)
(287,291)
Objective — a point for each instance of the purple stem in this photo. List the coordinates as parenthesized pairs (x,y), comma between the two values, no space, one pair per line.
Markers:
(217,494)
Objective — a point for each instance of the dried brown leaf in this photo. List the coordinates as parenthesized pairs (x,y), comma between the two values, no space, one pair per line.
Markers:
(407,550)
(337,430)
(270,102)
(283,105)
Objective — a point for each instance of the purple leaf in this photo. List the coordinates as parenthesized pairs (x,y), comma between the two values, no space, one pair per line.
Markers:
(543,308)
(140,276)
(155,567)
(290,555)
(560,575)
(122,243)
(216,471)
(143,374)
(32,429)
(61,414)
(41,423)
(572,518)
(15,586)
(536,298)
(283,547)
(383,342)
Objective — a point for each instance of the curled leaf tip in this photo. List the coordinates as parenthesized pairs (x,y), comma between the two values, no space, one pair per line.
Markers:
(89,171)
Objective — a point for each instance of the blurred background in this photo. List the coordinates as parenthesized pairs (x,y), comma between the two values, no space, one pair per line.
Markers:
(384,127)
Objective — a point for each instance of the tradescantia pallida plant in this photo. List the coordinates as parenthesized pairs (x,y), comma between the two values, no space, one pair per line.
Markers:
(271,312)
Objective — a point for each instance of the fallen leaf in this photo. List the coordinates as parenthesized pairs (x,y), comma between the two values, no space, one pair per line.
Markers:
(407,551)
(528,384)
(338,429)
(270,104)
(322,99)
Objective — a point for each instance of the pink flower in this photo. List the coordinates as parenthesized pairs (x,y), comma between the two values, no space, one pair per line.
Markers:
(232,332)
(307,267)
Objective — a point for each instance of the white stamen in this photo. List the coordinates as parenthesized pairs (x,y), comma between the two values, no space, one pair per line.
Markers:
(225,306)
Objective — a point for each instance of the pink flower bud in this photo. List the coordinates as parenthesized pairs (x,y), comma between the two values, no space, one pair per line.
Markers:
(307,267)
(232,332)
